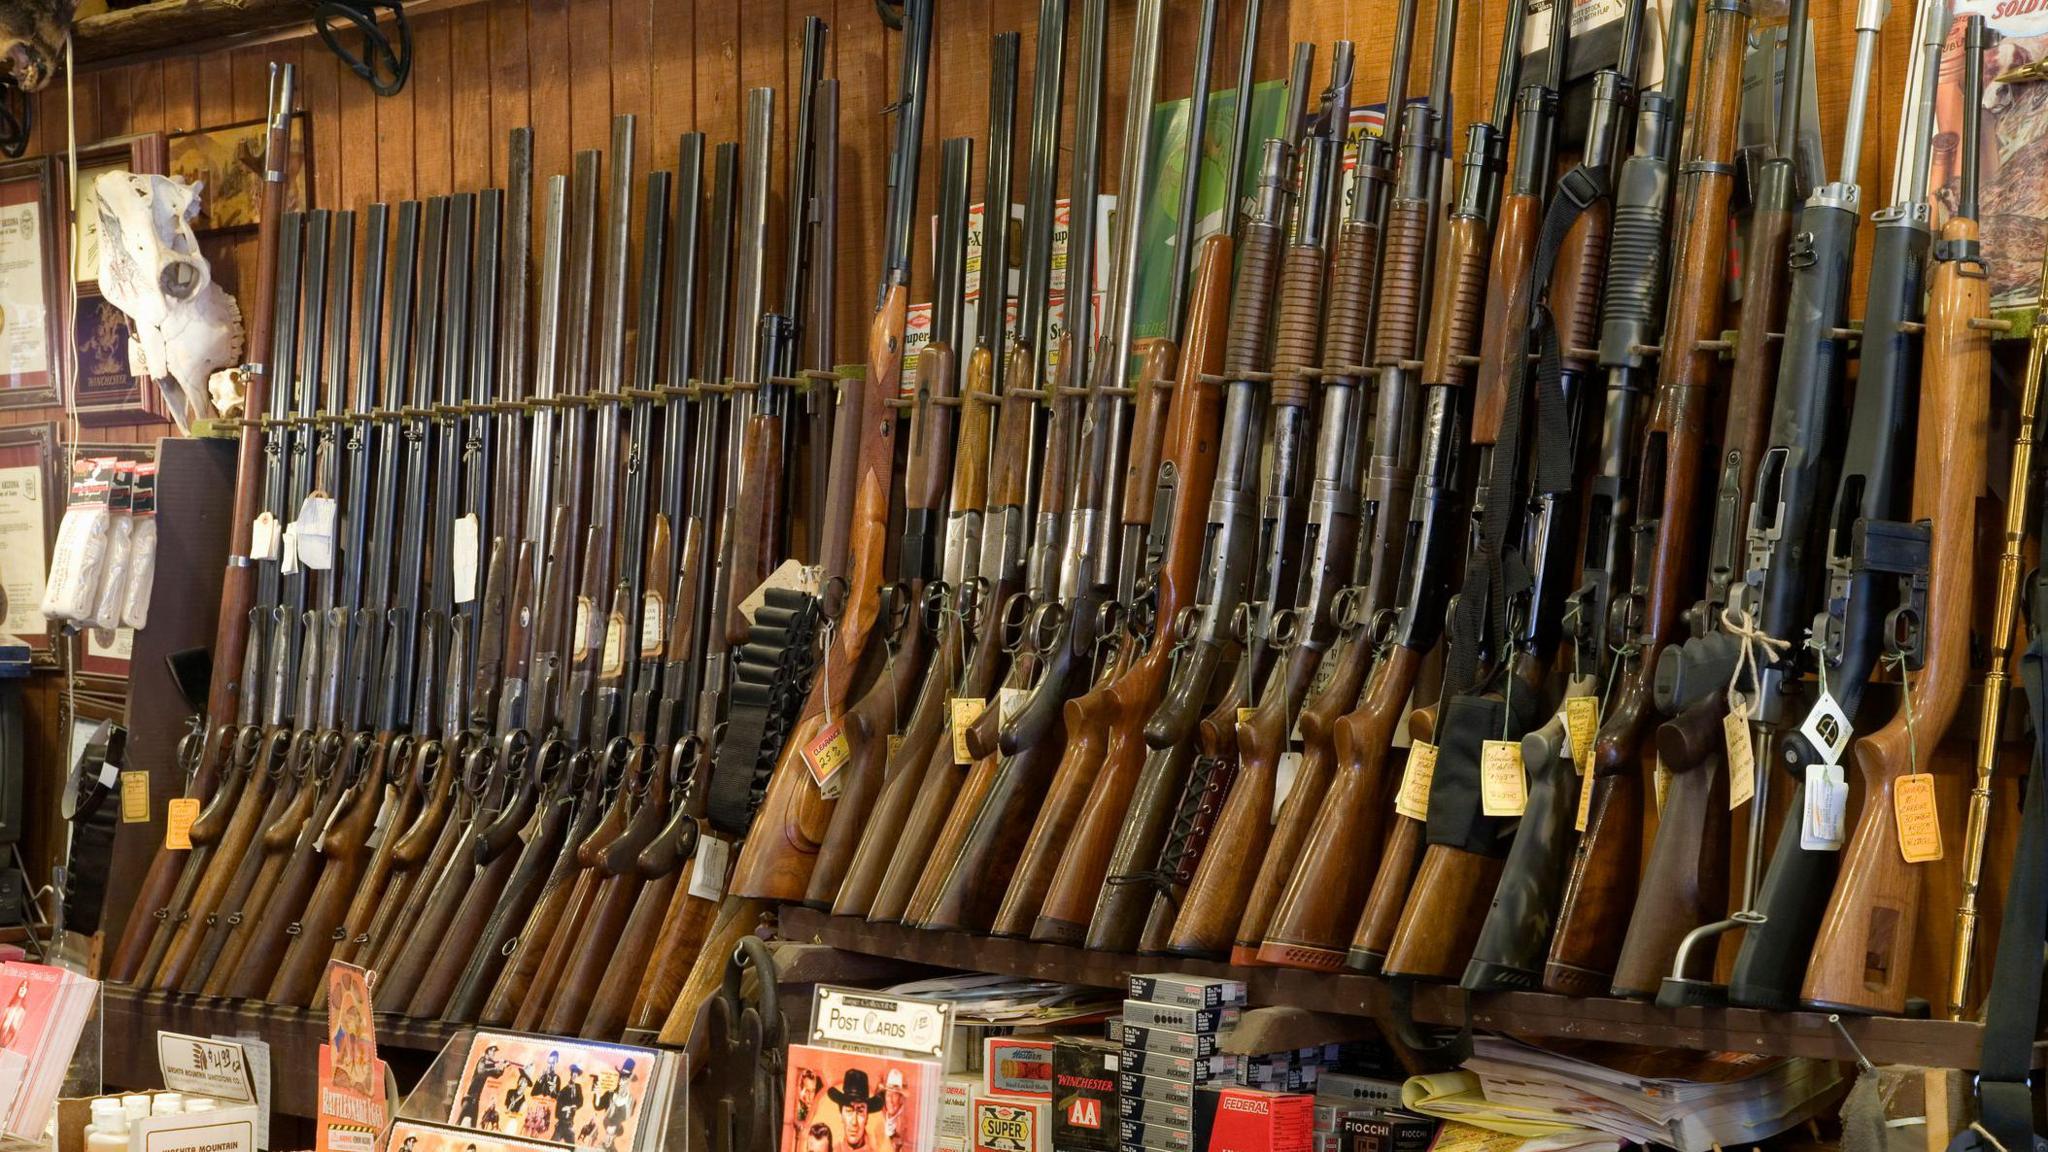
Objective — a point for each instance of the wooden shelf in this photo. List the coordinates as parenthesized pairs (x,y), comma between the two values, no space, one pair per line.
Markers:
(1884,1040)
(294,1036)
(181,27)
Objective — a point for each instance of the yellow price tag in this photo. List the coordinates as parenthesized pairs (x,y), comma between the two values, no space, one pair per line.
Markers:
(1585,802)
(1245,716)
(134,797)
(1918,818)
(966,710)
(1503,786)
(614,655)
(1581,723)
(1663,780)
(895,743)
(826,753)
(1412,800)
(1741,760)
(178,820)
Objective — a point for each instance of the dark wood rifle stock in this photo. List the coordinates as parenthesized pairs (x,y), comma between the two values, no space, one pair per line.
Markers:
(1863,958)
(282,843)
(172,950)
(590,945)
(291,800)
(223,812)
(572,817)
(259,947)
(1601,891)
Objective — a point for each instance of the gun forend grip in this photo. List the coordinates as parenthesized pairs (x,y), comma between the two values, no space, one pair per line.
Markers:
(1460,302)
(1299,327)
(1181,707)
(1509,954)
(1402,269)
(1631,311)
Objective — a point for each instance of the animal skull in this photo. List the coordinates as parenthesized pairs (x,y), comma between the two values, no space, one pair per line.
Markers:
(151,268)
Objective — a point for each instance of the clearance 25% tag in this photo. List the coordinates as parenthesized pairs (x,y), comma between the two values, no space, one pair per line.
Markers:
(826,753)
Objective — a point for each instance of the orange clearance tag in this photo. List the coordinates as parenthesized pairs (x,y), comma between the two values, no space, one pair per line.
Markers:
(1503,786)
(134,797)
(966,710)
(1581,722)
(1585,802)
(1741,760)
(1412,800)
(178,820)
(826,754)
(1918,818)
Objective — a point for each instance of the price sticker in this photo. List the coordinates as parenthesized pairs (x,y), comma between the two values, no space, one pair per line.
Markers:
(707,873)
(1284,775)
(1585,802)
(614,663)
(1412,800)
(895,742)
(966,710)
(1503,786)
(826,753)
(1581,723)
(1918,818)
(178,818)
(1825,809)
(1662,778)
(1741,760)
(585,634)
(1009,703)
(653,619)
(465,547)
(134,797)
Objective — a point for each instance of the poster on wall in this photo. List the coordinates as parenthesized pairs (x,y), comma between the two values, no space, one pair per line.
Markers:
(227,163)
(28,264)
(28,503)
(2012,150)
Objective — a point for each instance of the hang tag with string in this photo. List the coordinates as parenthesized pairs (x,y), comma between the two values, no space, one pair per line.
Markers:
(1915,813)
(1827,726)
(1503,785)
(1824,812)
(1412,800)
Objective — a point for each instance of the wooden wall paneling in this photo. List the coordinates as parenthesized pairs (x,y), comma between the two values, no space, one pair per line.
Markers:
(397,153)
(590,89)
(548,27)
(509,82)
(863,155)
(674,81)
(358,148)
(633,84)
(115,118)
(433,132)
(475,131)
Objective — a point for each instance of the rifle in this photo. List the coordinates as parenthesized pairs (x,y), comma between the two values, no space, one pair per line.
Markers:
(1601,890)
(1098,528)
(885,743)
(1495,676)
(1324,891)
(1216,890)
(913,801)
(1864,954)
(1766,608)
(1379,508)
(206,753)
(1512,941)
(1869,504)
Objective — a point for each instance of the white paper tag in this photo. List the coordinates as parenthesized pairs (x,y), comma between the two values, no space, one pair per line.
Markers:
(463,554)
(1825,808)
(707,874)
(314,532)
(263,538)
(583,635)
(1009,702)
(1741,757)
(290,562)
(653,622)
(1827,728)
(1283,780)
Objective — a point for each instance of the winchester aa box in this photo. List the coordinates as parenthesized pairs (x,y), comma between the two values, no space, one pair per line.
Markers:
(1197,1069)
(1141,1039)
(1179,1019)
(1388,1130)
(1084,1095)
(1187,991)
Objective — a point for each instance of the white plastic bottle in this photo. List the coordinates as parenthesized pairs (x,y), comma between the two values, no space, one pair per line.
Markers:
(200,1104)
(108,1131)
(167,1103)
(136,1105)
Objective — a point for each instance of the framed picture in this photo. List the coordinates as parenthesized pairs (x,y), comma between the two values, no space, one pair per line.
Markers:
(30,263)
(104,391)
(31,495)
(228,162)
(101,659)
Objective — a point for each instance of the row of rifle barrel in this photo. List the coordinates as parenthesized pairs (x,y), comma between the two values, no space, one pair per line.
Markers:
(1441,492)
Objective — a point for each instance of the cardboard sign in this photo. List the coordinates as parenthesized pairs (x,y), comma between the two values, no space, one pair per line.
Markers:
(222,1130)
(858,1018)
(198,1066)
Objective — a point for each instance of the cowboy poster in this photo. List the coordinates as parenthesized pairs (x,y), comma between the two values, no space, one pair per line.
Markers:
(856,1102)
(562,1092)
(414,1136)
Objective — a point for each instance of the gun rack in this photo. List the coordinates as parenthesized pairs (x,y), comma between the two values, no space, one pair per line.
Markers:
(1884,1040)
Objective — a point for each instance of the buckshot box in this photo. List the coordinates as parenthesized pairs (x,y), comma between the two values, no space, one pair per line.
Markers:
(1137,1038)
(1164,1112)
(1176,1018)
(1136,1085)
(1252,1120)
(1009,1124)
(1084,1095)
(1196,1069)
(1388,1130)
(1187,991)
(1159,1137)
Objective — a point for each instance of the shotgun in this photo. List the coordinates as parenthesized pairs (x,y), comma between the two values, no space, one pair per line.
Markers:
(1772,598)
(1494,685)
(205,754)
(1217,889)
(1516,933)
(913,801)
(1861,586)
(1863,957)
(1326,888)
(1601,889)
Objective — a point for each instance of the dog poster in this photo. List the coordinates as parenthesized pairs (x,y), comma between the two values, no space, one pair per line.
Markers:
(855,1102)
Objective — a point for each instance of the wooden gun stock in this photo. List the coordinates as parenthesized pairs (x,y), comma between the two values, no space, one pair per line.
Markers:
(737,917)
(1074,781)
(1324,897)
(343,845)
(1598,896)
(570,925)
(755,519)
(182,937)
(685,929)
(594,944)
(262,944)
(1863,958)
(167,889)
(544,913)
(1686,882)
(215,963)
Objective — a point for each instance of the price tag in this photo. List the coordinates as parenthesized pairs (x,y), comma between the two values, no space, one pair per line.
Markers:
(1662,778)
(1503,786)
(966,710)
(1283,780)
(653,622)
(463,553)
(290,562)
(134,797)
(178,818)
(584,634)
(1741,760)
(707,874)
(1010,702)
(1918,818)
(1585,802)
(826,753)
(1412,800)
(1581,723)
(1825,808)
(1827,728)
(1246,716)
(263,538)
(895,743)
(614,662)
(315,532)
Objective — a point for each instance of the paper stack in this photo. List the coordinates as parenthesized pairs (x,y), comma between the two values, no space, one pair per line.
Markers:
(42,1012)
